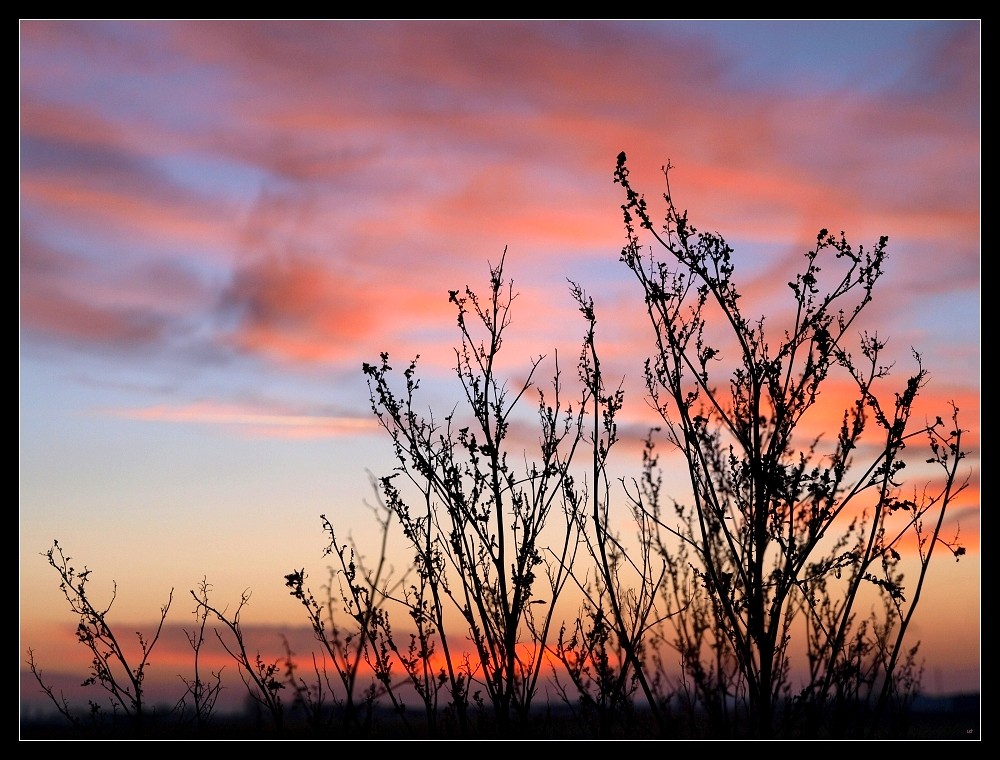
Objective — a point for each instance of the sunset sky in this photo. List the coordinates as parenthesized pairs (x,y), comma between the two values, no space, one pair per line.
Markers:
(221,221)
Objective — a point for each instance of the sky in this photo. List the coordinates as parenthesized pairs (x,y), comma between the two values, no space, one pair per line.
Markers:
(220,222)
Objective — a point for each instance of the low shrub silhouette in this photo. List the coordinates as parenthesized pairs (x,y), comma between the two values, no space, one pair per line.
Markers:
(767,601)
(112,668)
(780,529)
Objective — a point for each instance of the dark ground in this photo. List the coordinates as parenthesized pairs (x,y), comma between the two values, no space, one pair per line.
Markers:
(953,718)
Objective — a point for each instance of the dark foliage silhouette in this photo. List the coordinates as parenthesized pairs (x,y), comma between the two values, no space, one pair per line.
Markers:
(766,600)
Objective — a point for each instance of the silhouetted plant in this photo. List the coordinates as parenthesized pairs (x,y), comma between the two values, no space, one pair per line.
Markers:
(60,701)
(365,652)
(112,668)
(779,530)
(599,694)
(622,595)
(202,692)
(260,676)
(475,521)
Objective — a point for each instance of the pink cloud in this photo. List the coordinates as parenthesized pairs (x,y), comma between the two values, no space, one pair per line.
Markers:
(64,318)
(73,299)
(123,215)
(368,135)
(253,421)
(299,310)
